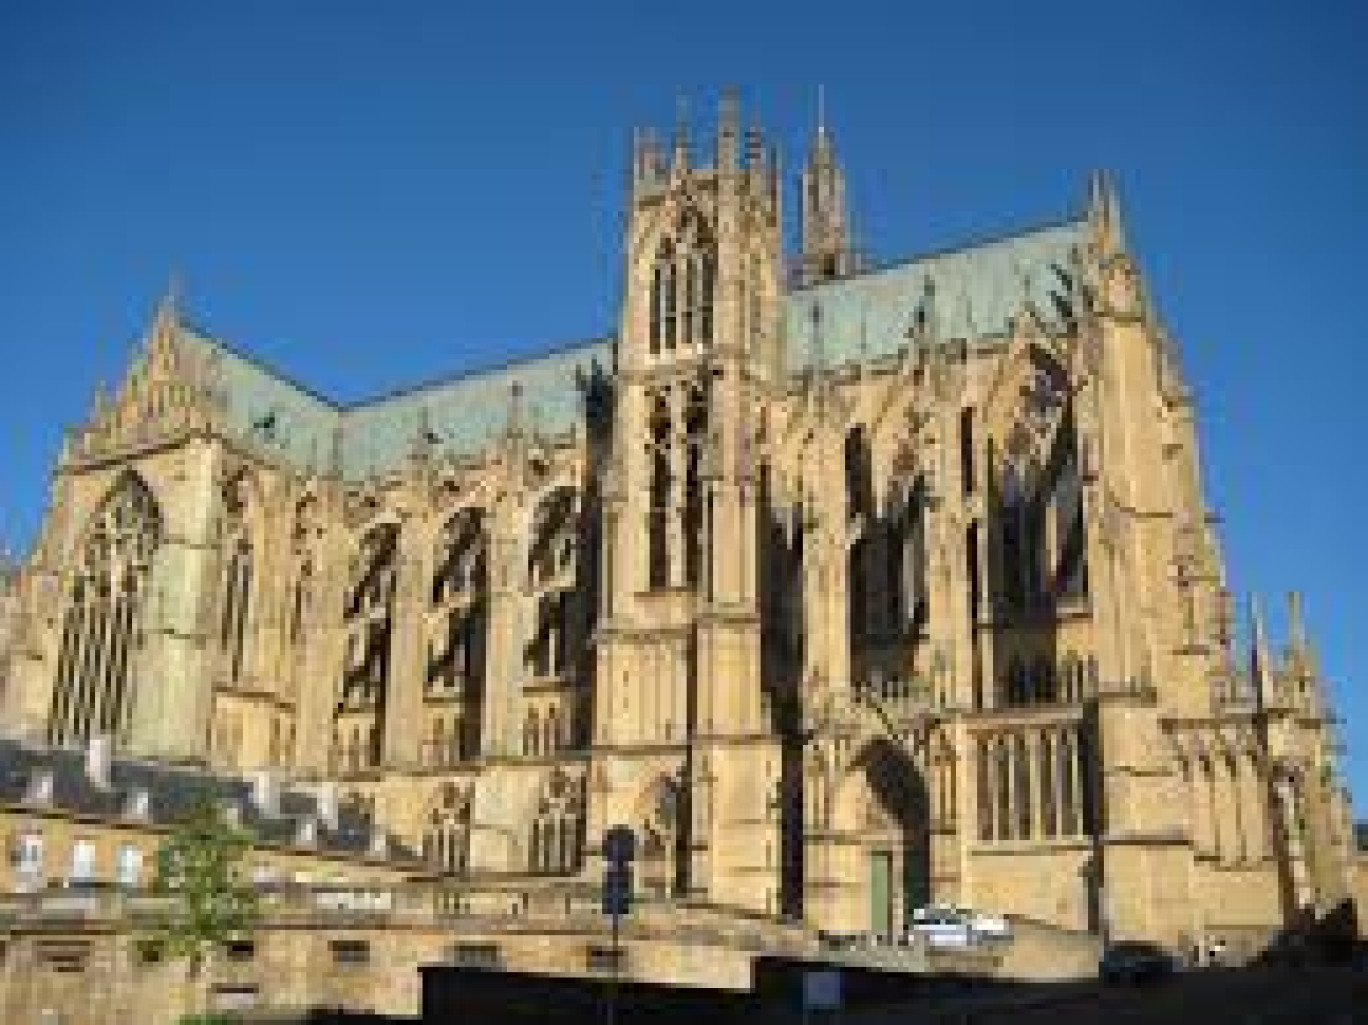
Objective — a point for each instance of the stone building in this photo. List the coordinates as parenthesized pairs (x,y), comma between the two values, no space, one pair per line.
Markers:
(850,587)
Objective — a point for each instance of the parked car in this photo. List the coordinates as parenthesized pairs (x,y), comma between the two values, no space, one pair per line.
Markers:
(986,924)
(941,927)
(1134,961)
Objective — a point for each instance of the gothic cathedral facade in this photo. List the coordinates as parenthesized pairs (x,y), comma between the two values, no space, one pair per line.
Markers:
(849,588)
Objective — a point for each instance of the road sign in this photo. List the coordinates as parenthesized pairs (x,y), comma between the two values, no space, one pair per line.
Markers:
(617,889)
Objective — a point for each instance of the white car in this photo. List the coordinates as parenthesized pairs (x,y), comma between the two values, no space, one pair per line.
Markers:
(941,927)
(986,924)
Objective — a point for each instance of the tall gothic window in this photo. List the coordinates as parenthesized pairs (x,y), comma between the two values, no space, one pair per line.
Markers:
(557,828)
(657,526)
(459,627)
(369,620)
(683,281)
(696,433)
(102,627)
(446,834)
(552,573)
(236,602)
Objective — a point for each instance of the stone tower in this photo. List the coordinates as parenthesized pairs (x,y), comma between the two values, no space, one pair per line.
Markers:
(682,748)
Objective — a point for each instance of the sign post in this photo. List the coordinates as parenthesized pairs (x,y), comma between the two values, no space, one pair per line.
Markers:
(619,848)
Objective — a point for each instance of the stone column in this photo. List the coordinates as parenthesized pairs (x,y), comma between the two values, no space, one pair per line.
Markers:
(404,727)
(169,675)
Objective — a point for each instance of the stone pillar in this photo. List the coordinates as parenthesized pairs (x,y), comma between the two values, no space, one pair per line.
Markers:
(499,728)
(403,734)
(169,675)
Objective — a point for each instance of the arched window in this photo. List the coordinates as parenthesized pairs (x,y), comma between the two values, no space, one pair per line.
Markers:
(368,618)
(236,605)
(682,285)
(696,437)
(446,836)
(555,833)
(102,626)
(236,587)
(299,608)
(657,523)
(552,578)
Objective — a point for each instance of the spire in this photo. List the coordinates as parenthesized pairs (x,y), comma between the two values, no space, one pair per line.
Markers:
(167,317)
(1296,630)
(1258,654)
(513,425)
(827,249)
(1104,215)
(681,137)
(728,131)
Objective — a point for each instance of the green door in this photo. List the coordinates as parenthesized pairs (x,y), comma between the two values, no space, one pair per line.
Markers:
(881,893)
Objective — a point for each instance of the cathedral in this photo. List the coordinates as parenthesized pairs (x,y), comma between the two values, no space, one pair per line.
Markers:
(849,587)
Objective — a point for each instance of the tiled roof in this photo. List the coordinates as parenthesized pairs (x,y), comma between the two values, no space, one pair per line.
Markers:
(172,791)
(966,293)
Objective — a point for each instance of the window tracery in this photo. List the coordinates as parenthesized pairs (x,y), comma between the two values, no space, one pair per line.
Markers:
(552,576)
(101,631)
(368,620)
(446,831)
(237,587)
(458,630)
(683,282)
(557,827)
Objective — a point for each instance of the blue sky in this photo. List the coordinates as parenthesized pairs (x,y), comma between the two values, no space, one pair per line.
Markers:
(371,194)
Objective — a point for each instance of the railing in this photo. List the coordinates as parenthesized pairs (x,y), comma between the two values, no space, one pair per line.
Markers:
(473,908)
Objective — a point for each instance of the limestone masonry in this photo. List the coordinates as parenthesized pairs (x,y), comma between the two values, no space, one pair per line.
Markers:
(849,588)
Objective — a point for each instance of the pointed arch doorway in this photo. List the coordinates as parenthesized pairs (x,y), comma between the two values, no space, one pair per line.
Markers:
(881,812)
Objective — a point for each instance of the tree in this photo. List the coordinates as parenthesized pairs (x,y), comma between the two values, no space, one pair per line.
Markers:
(199,867)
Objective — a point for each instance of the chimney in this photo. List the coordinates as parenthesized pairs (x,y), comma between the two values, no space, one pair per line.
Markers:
(98,760)
(306,835)
(39,788)
(266,793)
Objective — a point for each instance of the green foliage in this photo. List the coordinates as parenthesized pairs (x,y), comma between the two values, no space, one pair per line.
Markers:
(200,866)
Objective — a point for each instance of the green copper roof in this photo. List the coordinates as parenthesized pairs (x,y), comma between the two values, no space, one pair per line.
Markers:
(264,405)
(465,413)
(965,293)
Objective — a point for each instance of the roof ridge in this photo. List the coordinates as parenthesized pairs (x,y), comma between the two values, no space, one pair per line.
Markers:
(477,372)
(342,407)
(978,242)
(260,364)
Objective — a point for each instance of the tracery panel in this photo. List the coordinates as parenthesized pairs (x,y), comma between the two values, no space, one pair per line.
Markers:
(101,632)
(368,618)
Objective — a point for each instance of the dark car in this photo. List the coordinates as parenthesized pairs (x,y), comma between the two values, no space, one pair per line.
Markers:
(1134,961)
